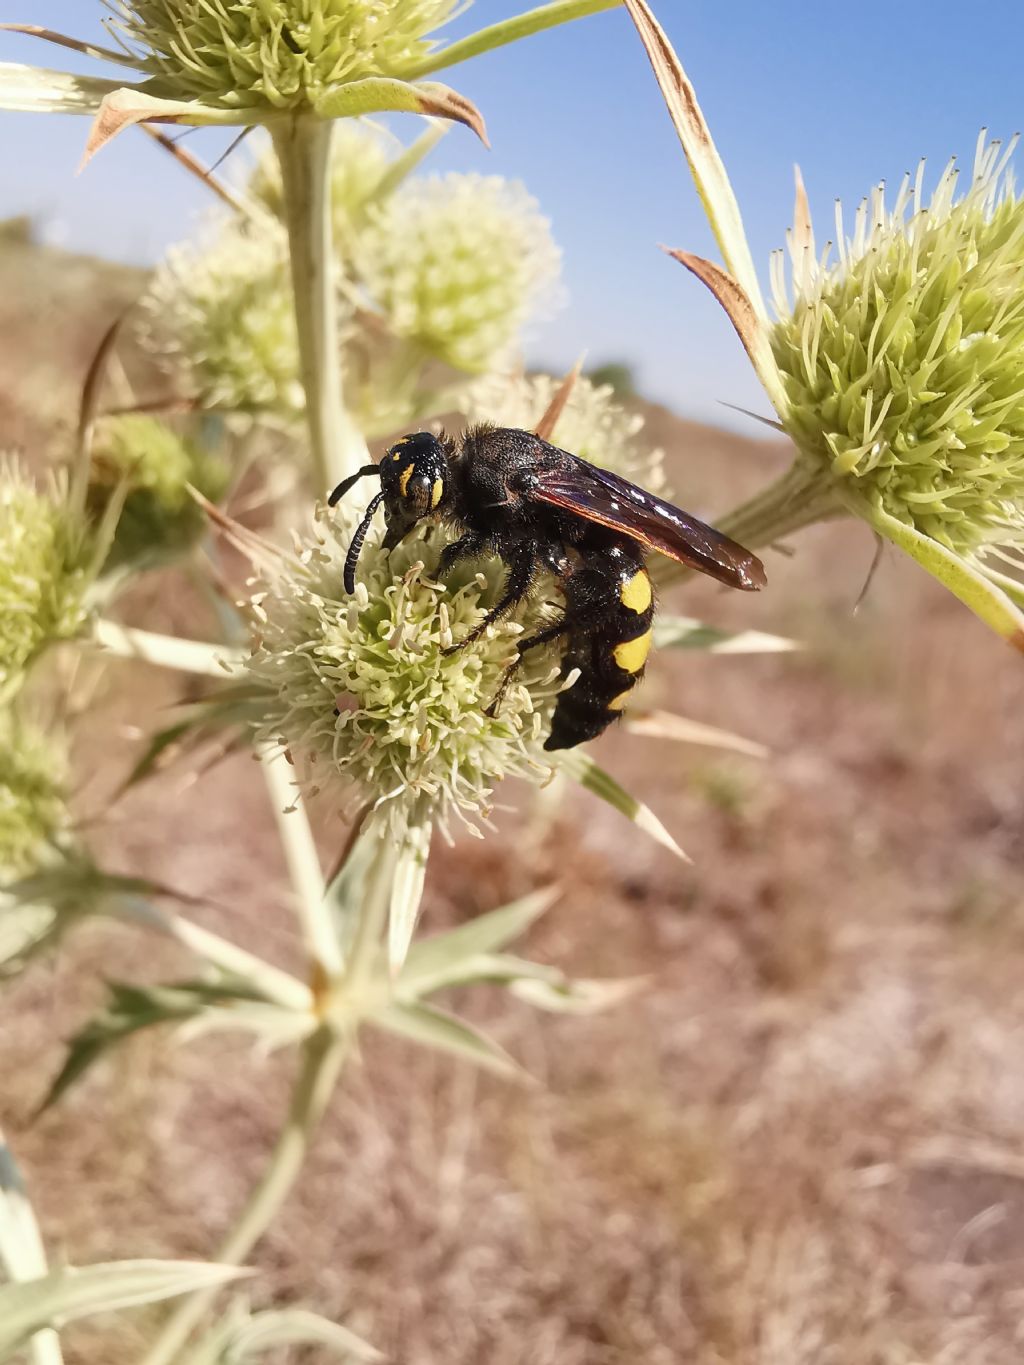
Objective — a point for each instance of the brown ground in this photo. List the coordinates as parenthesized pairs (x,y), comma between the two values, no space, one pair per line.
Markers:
(801,1145)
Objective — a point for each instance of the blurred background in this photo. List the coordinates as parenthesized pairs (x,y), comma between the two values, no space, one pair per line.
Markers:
(801,1143)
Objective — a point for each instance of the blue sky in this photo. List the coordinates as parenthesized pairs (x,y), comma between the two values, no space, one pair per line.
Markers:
(852,93)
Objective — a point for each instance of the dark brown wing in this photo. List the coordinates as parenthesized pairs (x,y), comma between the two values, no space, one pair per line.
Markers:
(598,495)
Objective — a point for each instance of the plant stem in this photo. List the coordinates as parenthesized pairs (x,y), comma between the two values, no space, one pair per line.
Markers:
(303,146)
(303,865)
(323,1056)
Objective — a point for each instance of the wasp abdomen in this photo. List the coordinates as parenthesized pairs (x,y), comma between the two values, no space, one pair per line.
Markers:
(613,601)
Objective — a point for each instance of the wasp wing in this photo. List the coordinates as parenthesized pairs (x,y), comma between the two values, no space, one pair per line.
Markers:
(598,495)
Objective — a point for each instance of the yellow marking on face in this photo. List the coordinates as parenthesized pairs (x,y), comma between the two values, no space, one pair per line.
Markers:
(404,477)
(635,594)
(631,655)
(619,702)
(436,493)
(396,455)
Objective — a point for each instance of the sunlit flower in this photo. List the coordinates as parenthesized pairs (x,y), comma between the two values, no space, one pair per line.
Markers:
(458,264)
(361,693)
(903,363)
(279,53)
(592,424)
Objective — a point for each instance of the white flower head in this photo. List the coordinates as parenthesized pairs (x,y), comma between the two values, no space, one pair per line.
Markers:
(362,692)
(458,264)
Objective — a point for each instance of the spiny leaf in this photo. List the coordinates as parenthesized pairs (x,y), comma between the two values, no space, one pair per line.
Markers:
(132,1009)
(68,1294)
(379,94)
(432,1027)
(433,959)
(665,725)
(685,632)
(581,767)
(36,90)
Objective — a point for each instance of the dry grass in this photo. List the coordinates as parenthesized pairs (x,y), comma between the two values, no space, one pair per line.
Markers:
(800,1146)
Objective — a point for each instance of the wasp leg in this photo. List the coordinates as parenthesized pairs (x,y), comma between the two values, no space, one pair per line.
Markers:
(520,576)
(466,547)
(543,637)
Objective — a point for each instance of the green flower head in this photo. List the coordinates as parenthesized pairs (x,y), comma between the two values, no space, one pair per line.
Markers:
(223,314)
(43,578)
(361,692)
(160,520)
(284,54)
(904,360)
(33,813)
(457,264)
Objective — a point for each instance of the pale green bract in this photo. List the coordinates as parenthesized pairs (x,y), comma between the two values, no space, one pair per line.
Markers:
(278,53)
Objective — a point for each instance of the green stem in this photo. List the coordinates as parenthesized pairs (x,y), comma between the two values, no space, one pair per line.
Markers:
(798,498)
(323,1056)
(303,146)
(508,31)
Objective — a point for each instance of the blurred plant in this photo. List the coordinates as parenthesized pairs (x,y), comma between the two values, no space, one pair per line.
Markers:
(592,424)
(33,812)
(436,279)
(153,469)
(50,556)
(896,370)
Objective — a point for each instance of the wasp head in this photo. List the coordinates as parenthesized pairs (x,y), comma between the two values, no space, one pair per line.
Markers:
(413,479)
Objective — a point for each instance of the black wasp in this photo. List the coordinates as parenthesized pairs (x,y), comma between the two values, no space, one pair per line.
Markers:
(508,493)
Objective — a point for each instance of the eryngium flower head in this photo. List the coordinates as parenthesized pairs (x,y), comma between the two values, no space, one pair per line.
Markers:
(903,363)
(361,690)
(457,264)
(224,313)
(278,54)
(592,424)
(160,519)
(33,813)
(42,578)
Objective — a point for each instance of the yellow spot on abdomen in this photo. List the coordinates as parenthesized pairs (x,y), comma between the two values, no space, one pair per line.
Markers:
(436,493)
(631,655)
(619,702)
(635,594)
(404,477)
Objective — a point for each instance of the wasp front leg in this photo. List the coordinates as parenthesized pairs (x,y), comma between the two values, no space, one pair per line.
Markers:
(521,573)
(469,546)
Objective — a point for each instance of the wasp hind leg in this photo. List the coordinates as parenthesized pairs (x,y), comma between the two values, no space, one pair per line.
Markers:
(543,637)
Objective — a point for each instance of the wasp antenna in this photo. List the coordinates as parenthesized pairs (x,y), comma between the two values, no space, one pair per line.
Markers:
(352,558)
(346,484)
